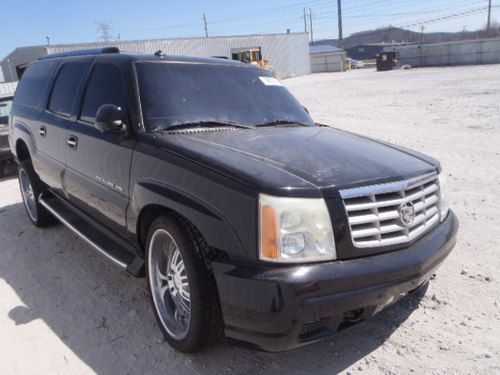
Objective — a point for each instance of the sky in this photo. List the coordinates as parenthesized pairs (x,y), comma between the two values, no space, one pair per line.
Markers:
(29,22)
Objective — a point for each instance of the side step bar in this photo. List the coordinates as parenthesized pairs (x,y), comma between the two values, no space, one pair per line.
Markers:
(104,245)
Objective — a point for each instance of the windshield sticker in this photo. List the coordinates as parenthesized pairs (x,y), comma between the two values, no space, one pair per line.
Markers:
(270,81)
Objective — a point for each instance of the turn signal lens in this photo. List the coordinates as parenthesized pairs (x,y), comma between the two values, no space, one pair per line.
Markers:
(269,235)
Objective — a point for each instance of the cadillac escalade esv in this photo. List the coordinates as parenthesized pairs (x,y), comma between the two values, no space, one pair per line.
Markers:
(207,176)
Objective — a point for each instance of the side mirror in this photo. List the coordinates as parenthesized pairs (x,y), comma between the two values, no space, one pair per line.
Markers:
(109,119)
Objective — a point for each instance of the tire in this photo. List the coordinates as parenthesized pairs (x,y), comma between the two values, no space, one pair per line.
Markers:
(31,187)
(182,289)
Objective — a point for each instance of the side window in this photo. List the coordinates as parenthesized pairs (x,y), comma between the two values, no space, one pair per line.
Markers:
(33,82)
(65,87)
(105,86)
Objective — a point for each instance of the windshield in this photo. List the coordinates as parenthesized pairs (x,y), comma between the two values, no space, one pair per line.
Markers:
(184,93)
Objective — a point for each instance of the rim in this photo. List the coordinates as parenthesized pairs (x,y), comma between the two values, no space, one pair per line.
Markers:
(28,194)
(169,284)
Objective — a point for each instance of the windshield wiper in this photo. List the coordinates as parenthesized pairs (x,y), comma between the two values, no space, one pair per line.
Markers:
(205,124)
(280,122)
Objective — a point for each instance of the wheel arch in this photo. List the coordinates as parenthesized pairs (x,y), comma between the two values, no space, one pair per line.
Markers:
(22,151)
(151,199)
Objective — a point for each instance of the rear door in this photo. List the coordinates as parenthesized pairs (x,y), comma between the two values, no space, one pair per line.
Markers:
(98,164)
(55,120)
(28,117)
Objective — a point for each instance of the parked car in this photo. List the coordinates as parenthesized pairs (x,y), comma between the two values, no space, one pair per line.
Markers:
(207,176)
(355,64)
(5,154)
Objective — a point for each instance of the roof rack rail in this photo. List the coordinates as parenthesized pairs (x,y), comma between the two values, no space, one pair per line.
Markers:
(82,52)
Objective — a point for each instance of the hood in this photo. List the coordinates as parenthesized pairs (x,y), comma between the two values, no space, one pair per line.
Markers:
(318,156)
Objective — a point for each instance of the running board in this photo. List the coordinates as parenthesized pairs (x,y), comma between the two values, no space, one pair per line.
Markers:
(90,233)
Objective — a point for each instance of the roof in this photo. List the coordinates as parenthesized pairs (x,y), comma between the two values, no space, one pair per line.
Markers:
(320,48)
(115,53)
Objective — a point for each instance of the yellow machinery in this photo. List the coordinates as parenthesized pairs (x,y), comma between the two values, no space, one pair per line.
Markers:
(252,55)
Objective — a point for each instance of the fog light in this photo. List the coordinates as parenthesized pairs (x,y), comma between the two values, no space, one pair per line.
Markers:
(293,243)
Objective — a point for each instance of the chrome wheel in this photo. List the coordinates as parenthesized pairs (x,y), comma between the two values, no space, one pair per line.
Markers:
(28,194)
(169,284)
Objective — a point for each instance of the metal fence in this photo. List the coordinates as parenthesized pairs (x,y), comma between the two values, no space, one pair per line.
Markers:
(468,52)
(7,88)
(327,62)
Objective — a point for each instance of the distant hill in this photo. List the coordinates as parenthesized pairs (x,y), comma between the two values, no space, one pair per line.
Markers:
(398,35)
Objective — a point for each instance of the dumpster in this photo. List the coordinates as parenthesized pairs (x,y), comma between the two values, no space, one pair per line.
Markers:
(387,60)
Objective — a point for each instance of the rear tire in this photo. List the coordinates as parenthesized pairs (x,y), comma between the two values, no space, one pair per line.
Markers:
(182,290)
(31,187)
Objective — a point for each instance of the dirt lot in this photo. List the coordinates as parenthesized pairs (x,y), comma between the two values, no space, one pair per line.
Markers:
(65,310)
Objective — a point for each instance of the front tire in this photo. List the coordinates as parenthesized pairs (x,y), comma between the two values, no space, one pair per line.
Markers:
(183,292)
(31,188)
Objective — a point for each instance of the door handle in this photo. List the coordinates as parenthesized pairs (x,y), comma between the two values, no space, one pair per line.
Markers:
(42,131)
(72,142)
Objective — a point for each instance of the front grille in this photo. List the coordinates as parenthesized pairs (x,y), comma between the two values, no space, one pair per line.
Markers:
(374,212)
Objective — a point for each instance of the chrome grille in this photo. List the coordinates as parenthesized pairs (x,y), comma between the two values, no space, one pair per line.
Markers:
(374,211)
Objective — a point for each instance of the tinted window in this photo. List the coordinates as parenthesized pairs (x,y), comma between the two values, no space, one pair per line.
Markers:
(33,82)
(174,94)
(65,87)
(104,87)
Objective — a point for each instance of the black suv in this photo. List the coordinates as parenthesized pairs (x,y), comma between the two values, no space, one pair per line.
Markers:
(208,177)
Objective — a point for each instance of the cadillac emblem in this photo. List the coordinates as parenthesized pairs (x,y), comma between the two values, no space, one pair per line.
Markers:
(406,213)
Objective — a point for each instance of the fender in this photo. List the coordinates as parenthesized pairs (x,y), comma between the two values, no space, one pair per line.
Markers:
(213,225)
(22,132)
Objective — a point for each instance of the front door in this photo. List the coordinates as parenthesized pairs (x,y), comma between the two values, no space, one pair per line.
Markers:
(98,164)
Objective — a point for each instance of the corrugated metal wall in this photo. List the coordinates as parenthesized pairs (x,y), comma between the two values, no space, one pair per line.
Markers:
(327,62)
(288,54)
(484,51)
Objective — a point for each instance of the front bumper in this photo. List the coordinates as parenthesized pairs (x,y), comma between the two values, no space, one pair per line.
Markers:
(281,308)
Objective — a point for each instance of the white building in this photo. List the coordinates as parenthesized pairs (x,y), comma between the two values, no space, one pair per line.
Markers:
(288,54)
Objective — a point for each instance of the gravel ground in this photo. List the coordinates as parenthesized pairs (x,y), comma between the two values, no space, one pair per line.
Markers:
(63,309)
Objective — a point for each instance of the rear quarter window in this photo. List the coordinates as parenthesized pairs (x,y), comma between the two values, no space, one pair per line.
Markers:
(65,87)
(33,83)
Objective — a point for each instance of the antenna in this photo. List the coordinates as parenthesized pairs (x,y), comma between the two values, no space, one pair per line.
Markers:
(105,29)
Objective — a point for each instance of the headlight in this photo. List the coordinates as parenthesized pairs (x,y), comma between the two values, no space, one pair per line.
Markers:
(295,230)
(443,197)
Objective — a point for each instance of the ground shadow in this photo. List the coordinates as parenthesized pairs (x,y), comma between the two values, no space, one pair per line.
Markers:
(103,315)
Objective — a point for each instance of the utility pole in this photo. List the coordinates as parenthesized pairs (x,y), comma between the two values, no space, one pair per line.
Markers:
(305,21)
(488,22)
(422,34)
(311,24)
(105,29)
(339,12)
(206,25)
